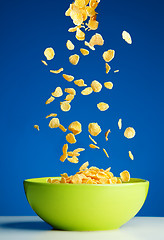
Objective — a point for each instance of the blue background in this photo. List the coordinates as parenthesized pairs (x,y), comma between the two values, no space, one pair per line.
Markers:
(27,28)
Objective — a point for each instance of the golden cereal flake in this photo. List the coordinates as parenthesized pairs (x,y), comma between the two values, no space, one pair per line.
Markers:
(65,155)
(129,132)
(87,91)
(93,24)
(76,15)
(126,36)
(80,3)
(70,91)
(84,51)
(94,129)
(88,45)
(67,13)
(51,115)
(58,92)
(70,138)
(57,71)
(113,180)
(62,128)
(90,11)
(96,86)
(108,85)
(70,45)
(106,152)
(73,29)
(49,53)
(125,176)
(116,71)
(71,154)
(74,59)
(108,55)
(36,127)
(107,68)
(119,181)
(80,83)
(94,3)
(69,78)
(93,146)
(54,123)
(106,134)
(65,106)
(69,97)
(74,159)
(120,123)
(80,35)
(75,127)
(77,150)
(44,62)
(51,99)
(131,155)
(96,39)
(92,139)
(102,106)
(84,166)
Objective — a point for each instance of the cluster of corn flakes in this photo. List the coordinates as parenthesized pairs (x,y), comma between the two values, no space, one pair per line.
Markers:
(92,175)
(81,11)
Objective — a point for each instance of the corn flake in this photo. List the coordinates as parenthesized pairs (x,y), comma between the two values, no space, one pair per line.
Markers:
(58,92)
(51,99)
(94,3)
(108,55)
(84,51)
(106,134)
(54,123)
(70,45)
(129,132)
(75,127)
(102,106)
(93,146)
(126,36)
(106,152)
(125,176)
(74,159)
(80,83)
(80,35)
(69,97)
(96,86)
(120,123)
(94,129)
(70,91)
(64,149)
(93,24)
(90,11)
(69,78)
(107,68)
(84,166)
(131,155)
(65,106)
(73,29)
(116,71)
(62,128)
(44,62)
(80,3)
(74,59)
(70,138)
(51,115)
(108,85)
(37,127)
(88,45)
(49,53)
(96,39)
(87,91)
(57,71)
(77,150)
(92,139)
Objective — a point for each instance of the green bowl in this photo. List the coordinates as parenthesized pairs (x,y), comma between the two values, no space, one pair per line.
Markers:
(86,207)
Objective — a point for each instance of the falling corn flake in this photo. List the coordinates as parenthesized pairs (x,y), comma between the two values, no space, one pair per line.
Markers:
(51,99)
(93,24)
(54,123)
(77,150)
(129,132)
(76,15)
(49,53)
(65,155)
(94,129)
(88,45)
(120,123)
(116,71)
(102,106)
(108,55)
(74,159)
(62,128)
(70,138)
(51,115)
(106,134)
(65,106)
(58,92)
(90,11)
(131,155)
(73,29)
(75,127)
(69,78)
(96,39)
(74,59)
(37,127)
(108,85)
(125,176)
(87,91)
(106,152)
(84,166)
(93,146)
(80,35)
(67,13)
(69,97)
(70,91)
(84,51)
(126,36)
(80,83)
(96,86)
(107,68)
(71,154)
(70,45)
(44,62)
(57,71)
(92,139)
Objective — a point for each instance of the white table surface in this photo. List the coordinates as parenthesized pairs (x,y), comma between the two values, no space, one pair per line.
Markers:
(33,228)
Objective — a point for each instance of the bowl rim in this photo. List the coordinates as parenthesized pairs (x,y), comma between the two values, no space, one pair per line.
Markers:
(32,181)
